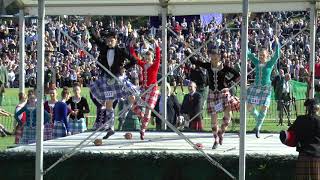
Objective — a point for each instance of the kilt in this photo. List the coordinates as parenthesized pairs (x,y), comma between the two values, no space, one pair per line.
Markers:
(18,134)
(48,131)
(259,95)
(151,97)
(104,91)
(77,126)
(196,124)
(307,167)
(59,129)
(28,135)
(218,101)
(131,123)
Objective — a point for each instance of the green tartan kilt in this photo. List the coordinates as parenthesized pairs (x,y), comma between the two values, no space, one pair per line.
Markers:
(259,95)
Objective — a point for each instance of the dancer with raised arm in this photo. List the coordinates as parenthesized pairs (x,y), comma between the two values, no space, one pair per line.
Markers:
(259,93)
(150,69)
(219,97)
(112,57)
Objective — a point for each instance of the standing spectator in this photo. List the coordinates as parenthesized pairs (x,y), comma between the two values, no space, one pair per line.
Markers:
(61,125)
(191,106)
(22,117)
(79,106)
(198,75)
(11,78)
(307,131)
(3,81)
(173,108)
(29,130)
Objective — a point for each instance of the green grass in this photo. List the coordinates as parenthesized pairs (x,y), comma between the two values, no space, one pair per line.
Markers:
(270,124)
(5,142)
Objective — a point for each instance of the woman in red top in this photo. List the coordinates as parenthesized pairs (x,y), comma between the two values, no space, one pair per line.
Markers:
(149,75)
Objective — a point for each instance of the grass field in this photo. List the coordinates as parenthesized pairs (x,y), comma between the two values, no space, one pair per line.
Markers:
(270,124)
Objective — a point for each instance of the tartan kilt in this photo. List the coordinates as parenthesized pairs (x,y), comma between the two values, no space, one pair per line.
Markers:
(225,98)
(77,126)
(28,135)
(18,133)
(104,91)
(151,97)
(59,129)
(196,124)
(307,167)
(48,131)
(263,93)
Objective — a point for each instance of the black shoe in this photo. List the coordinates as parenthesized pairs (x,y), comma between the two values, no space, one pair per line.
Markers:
(215,145)
(257,133)
(110,133)
(141,135)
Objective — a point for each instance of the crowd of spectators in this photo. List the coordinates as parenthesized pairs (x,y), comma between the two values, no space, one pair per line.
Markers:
(66,63)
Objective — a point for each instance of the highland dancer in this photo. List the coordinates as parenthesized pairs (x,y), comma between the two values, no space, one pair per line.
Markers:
(219,97)
(149,75)
(106,88)
(259,93)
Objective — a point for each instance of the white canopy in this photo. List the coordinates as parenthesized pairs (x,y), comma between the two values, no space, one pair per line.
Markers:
(153,7)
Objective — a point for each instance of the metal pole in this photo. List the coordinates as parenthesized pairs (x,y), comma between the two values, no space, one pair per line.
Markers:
(40,93)
(313,23)
(164,12)
(21,51)
(243,92)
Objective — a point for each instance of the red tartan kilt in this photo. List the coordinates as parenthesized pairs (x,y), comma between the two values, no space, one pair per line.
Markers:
(223,97)
(196,124)
(151,97)
(307,167)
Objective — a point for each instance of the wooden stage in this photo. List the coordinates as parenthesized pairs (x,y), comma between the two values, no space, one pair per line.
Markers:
(170,142)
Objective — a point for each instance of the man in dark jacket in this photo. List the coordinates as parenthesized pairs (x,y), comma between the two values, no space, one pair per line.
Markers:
(173,109)
(191,106)
(282,89)
(198,75)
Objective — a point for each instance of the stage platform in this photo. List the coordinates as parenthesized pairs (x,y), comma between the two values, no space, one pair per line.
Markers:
(169,142)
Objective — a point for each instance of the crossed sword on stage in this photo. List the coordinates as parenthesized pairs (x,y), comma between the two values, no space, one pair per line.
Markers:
(212,160)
